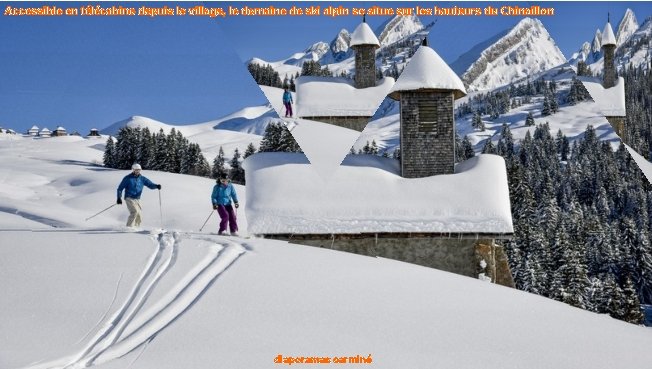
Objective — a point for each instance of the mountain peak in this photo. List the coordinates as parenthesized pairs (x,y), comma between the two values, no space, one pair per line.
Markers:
(627,26)
(596,46)
(397,28)
(525,49)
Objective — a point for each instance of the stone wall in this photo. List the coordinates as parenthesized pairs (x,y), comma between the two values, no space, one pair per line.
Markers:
(354,123)
(427,133)
(365,66)
(455,255)
(609,72)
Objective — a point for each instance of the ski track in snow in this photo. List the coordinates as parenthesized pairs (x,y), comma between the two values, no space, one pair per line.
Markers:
(106,313)
(129,328)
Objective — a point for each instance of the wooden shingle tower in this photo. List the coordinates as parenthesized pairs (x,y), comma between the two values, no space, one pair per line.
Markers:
(427,89)
(610,77)
(609,51)
(364,43)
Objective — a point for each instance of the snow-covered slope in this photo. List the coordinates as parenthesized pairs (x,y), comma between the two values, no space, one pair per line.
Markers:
(526,49)
(90,294)
(233,131)
(572,120)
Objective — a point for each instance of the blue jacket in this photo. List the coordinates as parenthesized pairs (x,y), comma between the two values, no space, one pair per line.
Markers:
(133,186)
(287,97)
(222,194)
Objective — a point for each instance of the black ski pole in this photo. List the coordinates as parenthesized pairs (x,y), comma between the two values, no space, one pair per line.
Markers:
(93,216)
(209,216)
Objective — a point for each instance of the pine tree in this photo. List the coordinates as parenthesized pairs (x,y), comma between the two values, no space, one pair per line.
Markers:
(251,149)
(529,121)
(236,173)
(489,147)
(271,138)
(467,148)
(218,169)
(160,155)
(554,105)
(374,148)
(545,110)
(109,154)
(507,137)
(477,122)
(631,304)
(145,147)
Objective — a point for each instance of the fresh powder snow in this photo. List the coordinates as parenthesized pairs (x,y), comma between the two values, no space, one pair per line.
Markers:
(82,293)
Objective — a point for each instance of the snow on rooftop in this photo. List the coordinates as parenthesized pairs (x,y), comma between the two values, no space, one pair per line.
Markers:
(427,70)
(611,101)
(363,35)
(608,37)
(367,195)
(337,97)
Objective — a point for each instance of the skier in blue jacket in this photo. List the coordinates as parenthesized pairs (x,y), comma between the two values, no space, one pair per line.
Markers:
(223,193)
(133,184)
(287,101)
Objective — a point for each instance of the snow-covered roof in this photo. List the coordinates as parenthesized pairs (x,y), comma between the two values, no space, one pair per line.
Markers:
(59,128)
(34,128)
(337,97)
(367,195)
(427,70)
(611,101)
(363,35)
(45,130)
(608,37)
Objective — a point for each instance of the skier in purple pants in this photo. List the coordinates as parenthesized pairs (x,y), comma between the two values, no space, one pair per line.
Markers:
(223,193)
(287,101)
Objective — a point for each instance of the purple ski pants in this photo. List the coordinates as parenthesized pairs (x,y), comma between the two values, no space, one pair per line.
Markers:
(227,216)
(288,109)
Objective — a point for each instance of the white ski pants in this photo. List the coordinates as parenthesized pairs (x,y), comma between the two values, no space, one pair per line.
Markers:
(134,212)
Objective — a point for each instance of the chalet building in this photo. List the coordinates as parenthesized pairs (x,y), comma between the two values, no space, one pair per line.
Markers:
(94,133)
(609,93)
(340,101)
(60,131)
(429,211)
(33,131)
(45,132)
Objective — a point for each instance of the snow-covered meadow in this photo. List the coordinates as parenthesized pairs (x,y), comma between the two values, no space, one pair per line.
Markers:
(79,293)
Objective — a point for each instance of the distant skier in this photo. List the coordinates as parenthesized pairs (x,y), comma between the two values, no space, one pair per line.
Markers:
(287,101)
(133,184)
(223,193)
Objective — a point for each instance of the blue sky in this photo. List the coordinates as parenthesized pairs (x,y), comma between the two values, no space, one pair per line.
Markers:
(84,72)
